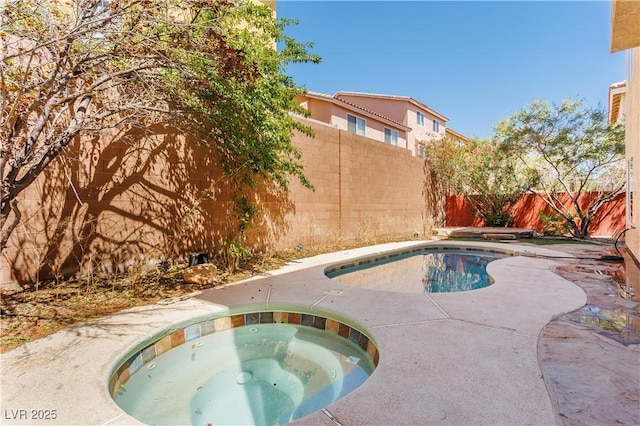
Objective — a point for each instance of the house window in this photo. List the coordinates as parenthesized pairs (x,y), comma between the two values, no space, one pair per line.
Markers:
(355,125)
(390,136)
(420,118)
(436,126)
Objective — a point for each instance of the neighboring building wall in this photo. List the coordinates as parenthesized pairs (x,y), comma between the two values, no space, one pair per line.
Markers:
(270,3)
(617,102)
(374,129)
(632,137)
(111,201)
(455,135)
(625,35)
(320,110)
(394,109)
(334,112)
(404,110)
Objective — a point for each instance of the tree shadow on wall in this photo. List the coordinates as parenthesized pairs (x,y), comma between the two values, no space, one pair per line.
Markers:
(137,194)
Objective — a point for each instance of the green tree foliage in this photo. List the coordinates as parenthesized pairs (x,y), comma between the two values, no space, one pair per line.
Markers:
(478,170)
(208,67)
(568,149)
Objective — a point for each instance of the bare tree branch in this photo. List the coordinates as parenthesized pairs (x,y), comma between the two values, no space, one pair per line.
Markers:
(205,66)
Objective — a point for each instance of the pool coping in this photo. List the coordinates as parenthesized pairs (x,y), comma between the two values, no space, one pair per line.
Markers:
(399,254)
(41,375)
(195,328)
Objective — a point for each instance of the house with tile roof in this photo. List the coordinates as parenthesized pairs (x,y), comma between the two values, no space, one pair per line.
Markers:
(455,135)
(617,102)
(425,123)
(345,115)
(397,120)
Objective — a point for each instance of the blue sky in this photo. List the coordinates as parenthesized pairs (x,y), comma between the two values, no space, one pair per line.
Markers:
(475,62)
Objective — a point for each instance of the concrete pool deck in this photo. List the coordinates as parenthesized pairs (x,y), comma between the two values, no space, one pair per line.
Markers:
(445,358)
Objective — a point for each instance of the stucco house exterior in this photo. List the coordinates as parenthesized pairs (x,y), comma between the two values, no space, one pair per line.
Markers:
(396,120)
(617,102)
(425,123)
(625,35)
(345,115)
(449,132)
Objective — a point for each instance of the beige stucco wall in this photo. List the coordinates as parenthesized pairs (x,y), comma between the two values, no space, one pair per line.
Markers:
(625,31)
(119,198)
(403,112)
(110,200)
(425,132)
(391,108)
(632,137)
(336,116)
(364,190)
(319,110)
(374,129)
(270,3)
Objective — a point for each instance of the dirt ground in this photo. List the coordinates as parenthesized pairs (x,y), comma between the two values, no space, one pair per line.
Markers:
(36,312)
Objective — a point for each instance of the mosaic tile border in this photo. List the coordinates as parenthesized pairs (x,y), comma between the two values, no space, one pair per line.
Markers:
(389,256)
(184,335)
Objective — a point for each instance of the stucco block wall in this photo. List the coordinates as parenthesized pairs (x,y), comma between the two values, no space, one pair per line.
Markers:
(110,201)
(364,189)
(608,222)
(382,188)
(315,217)
(119,198)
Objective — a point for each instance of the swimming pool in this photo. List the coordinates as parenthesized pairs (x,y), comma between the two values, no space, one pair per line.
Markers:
(249,368)
(434,269)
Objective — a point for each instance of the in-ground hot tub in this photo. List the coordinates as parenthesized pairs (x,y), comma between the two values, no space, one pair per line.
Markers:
(252,367)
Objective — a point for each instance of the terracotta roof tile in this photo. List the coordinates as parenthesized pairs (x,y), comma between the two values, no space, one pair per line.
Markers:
(393,97)
(334,98)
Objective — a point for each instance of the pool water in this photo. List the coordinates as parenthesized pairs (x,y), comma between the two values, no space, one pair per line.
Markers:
(266,374)
(449,272)
(430,271)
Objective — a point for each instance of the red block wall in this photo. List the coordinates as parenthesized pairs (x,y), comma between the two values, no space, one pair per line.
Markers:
(609,221)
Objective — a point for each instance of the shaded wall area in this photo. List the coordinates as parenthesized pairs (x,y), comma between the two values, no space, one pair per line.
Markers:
(111,201)
(609,221)
(151,194)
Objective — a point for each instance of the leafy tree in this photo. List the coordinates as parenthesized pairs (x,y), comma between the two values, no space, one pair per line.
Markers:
(208,67)
(569,149)
(480,172)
